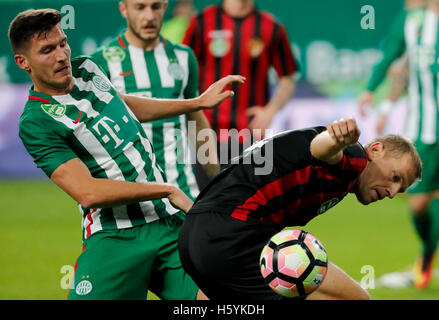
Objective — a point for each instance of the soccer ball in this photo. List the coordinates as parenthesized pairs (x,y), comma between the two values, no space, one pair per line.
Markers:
(293,263)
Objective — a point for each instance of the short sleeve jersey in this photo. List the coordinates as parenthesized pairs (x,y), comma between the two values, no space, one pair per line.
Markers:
(168,71)
(296,188)
(248,46)
(93,123)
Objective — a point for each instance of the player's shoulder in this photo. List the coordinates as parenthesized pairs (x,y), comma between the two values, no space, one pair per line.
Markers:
(355,151)
(210,9)
(178,46)
(270,17)
(35,114)
(85,65)
(114,50)
(414,14)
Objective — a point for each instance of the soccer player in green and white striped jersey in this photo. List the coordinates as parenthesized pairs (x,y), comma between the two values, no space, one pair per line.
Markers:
(88,139)
(140,61)
(416,32)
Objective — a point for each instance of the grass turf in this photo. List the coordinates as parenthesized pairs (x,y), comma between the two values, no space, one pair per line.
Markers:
(40,232)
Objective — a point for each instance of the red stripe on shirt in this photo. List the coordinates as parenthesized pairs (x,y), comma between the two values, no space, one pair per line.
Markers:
(279,187)
(270,191)
(90,219)
(302,203)
(122,44)
(39,99)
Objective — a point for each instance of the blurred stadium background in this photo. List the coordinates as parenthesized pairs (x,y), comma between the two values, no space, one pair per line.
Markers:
(40,226)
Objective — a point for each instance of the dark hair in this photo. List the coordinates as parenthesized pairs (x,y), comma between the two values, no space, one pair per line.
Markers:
(30,22)
(396,146)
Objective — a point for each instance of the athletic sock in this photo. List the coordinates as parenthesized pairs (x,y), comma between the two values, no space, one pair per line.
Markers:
(427,227)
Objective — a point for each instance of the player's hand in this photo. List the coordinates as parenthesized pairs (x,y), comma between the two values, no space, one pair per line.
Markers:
(180,200)
(344,131)
(260,120)
(381,123)
(216,93)
(365,99)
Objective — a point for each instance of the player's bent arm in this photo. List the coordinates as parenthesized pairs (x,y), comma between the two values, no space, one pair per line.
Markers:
(328,146)
(284,91)
(148,109)
(208,141)
(325,148)
(75,179)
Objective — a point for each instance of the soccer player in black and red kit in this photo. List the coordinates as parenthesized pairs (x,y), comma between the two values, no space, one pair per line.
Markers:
(312,170)
(235,37)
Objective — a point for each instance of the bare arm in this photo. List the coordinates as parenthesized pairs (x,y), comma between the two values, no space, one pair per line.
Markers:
(203,129)
(148,109)
(328,146)
(262,117)
(75,179)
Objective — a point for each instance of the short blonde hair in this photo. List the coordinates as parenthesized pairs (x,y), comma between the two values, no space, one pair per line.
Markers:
(396,146)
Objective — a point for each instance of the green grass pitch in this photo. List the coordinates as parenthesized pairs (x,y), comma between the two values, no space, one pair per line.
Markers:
(40,232)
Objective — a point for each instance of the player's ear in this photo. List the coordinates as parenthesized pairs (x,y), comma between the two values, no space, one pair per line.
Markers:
(375,151)
(123,9)
(22,62)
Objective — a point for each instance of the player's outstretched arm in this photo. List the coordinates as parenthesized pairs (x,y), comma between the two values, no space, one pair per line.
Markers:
(148,109)
(75,179)
(328,146)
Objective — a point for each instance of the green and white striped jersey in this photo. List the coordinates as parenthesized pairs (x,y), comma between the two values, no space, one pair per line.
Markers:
(415,31)
(168,71)
(421,39)
(94,124)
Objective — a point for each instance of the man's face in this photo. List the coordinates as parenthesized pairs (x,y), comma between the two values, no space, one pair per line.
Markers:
(47,59)
(144,17)
(384,176)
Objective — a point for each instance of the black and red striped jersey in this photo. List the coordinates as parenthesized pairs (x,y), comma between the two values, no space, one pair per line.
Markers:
(248,46)
(298,187)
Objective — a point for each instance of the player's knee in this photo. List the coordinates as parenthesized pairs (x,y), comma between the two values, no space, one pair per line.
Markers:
(419,204)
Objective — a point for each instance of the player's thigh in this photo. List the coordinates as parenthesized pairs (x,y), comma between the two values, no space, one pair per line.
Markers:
(429,153)
(169,280)
(111,267)
(338,285)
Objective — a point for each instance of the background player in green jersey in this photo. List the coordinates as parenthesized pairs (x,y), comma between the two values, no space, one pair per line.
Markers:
(416,32)
(140,61)
(87,138)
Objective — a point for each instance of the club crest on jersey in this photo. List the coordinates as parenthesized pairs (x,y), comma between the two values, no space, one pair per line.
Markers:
(54,110)
(114,54)
(255,47)
(83,288)
(101,84)
(327,205)
(176,71)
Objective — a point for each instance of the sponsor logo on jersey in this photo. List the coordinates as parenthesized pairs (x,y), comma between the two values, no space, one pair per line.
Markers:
(54,110)
(101,84)
(114,54)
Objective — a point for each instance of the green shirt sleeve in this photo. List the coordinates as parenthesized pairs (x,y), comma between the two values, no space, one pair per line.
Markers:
(191,90)
(44,142)
(393,47)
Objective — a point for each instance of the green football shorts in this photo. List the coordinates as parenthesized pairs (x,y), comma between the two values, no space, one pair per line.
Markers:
(429,154)
(126,263)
